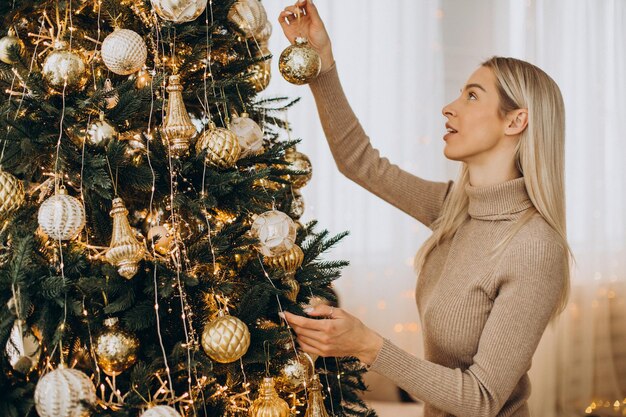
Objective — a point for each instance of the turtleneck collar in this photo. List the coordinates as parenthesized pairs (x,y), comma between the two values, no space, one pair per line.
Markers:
(498,202)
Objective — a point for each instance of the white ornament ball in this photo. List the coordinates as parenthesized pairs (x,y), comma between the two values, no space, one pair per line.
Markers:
(61,393)
(264,34)
(249,135)
(179,11)
(275,231)
(100,133)
(161,238)
(8,42)
(124,51)
(61,216)
(161,411)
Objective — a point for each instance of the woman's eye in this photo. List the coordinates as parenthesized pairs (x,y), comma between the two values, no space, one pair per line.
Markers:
(471,96)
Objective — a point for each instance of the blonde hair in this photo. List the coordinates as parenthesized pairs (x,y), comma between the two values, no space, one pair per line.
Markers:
(539,157)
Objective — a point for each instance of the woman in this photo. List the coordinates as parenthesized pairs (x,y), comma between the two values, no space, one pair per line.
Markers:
(495,270)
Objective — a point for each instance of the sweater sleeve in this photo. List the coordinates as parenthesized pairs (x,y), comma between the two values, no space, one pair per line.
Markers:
(528,289)
(359,161)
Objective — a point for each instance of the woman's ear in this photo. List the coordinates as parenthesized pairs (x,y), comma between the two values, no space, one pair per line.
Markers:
(517,121)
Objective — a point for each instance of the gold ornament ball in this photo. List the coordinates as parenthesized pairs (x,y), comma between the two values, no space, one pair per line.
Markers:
(6,43)
(23,348)
(295,374)
(297,206)
(143,79)
(289,261)
(268,403)
(62,66)
(161,239)
(226,339)
(124,51)
(116,349)
(11,194)
(179,11)
(299,162)
(300,63)
(64,393)
(261,72)
(221,145)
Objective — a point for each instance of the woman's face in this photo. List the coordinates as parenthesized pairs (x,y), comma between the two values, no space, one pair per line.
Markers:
(474,125)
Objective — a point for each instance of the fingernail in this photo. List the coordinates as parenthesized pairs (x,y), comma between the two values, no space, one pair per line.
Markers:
(308,310)
(281,315)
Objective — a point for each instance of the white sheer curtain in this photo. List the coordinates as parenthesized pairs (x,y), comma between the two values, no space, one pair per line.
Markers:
(389,59)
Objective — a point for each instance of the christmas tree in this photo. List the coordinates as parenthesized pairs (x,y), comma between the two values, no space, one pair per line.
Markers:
(149,208)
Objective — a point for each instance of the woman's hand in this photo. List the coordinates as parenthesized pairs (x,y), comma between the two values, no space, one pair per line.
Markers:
(340,334)
(302,20)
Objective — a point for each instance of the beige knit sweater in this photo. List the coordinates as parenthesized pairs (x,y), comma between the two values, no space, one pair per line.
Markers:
(481,319)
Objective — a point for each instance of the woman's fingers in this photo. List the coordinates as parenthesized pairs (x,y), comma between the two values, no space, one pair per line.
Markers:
(303,322)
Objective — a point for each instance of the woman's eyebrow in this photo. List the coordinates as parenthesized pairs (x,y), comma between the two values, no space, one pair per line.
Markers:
(468,86)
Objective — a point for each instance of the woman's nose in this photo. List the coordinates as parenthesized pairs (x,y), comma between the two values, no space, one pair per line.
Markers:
(448,110)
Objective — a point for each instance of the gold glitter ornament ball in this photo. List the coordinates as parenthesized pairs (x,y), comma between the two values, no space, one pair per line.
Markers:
(295,374)
(161,239)
(268,403)
(300,63)
(161,411)
(8,42)
(124,51)
(221,145)
(23,348)
(11,194)
(63,393)
(299,162)
(61,217)
(226,339)
(116,349)
(61,66)
(179,11)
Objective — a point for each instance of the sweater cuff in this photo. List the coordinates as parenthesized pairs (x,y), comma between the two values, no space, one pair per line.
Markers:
(385,357)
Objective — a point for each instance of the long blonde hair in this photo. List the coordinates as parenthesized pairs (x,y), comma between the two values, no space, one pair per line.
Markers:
(540,157)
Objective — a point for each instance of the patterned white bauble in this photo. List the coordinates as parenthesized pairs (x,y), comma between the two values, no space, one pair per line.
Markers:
(62,392)
(124,51)
(179,11)
(62,216)
(275,231)
(249,16)
(249,135)
(161,411)
(11,194)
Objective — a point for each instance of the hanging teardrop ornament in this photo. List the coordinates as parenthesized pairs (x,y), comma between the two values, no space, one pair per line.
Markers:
(316,407)
(289,261)
(178,128)
(268,404)
(125,251)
